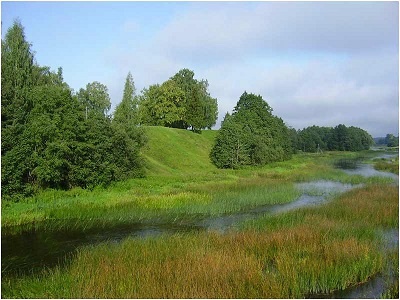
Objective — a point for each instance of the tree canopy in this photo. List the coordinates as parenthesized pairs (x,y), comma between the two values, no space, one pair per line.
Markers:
(52,138)
(180,102)
(251,135)
(127,110)
(339,138)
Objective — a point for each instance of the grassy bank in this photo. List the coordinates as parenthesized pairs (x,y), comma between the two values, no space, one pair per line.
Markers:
(290,255)
(174,196)
(181,183)
(313,250)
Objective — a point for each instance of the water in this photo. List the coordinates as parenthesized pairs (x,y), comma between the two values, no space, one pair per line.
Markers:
(386,156)
(390,239)
(371,289)
(377,285)
(367,170)
(32,251)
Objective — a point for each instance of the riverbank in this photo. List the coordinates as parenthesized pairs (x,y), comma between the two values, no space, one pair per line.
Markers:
(308,251)
(260,258)
(171,197)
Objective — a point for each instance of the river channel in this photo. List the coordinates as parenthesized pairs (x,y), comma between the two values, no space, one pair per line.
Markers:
(32,251)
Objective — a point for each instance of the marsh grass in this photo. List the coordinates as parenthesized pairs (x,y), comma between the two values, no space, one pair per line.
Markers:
(242,265)
(173,196)
(392,291)
(191,203)
(367,208)
(303,252)
(388,166)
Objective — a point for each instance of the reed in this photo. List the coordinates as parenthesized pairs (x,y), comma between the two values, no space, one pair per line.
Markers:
(388,166)
(304,252)
(171,197)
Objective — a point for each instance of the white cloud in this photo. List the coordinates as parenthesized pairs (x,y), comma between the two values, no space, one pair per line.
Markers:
(227,31)
(314,63)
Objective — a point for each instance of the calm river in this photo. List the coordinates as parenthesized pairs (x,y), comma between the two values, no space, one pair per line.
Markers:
(31,251)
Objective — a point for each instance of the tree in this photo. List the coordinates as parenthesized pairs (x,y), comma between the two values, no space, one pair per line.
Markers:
(54,125)
(314,138)
(391,140)
(180,102)
(194,109)
(54,139)
(44,76)
(41,158)
(231,146)
(161,105)
(251,135)
(200,109)
(127,111)
(126,115)
(17,61)
(210,112)
(95,99)
(340,138)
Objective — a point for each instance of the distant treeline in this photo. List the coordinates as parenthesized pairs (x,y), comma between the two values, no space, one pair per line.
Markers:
(339,138)
(390,140)
(252,135)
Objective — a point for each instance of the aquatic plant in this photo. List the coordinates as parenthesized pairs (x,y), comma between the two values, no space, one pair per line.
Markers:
(307,251)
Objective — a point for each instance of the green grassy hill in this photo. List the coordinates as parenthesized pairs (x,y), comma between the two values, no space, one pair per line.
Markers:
(172,151)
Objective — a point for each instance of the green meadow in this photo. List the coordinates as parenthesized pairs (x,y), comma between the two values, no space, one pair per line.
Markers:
(309,251)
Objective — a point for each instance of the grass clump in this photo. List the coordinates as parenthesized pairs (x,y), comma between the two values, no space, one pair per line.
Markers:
(241,265)
(388,166)
(176,194)
(309,251)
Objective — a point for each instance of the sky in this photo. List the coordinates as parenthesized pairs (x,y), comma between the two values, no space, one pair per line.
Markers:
(315,63)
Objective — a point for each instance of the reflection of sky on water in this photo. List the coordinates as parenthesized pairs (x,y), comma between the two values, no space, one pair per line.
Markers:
(368,170)
(33,250)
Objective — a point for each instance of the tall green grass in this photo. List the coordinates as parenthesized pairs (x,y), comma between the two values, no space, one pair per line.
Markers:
(107,210)
(388,166)
(304,252)
(188,192)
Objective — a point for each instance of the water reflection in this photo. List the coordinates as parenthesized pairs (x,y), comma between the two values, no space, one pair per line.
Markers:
(367,170)
(32,251)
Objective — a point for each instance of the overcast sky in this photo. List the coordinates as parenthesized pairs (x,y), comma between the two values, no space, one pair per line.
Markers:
(315,63)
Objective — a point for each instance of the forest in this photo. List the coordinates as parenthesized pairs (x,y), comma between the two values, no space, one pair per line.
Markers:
(57,138)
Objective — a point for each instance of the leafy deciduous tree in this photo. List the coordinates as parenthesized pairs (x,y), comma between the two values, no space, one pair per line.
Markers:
(251,135)
(180,102)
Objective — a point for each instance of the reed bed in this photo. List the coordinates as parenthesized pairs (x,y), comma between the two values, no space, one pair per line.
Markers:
(388,166)
(304,252)
(171,197)
(190,203)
